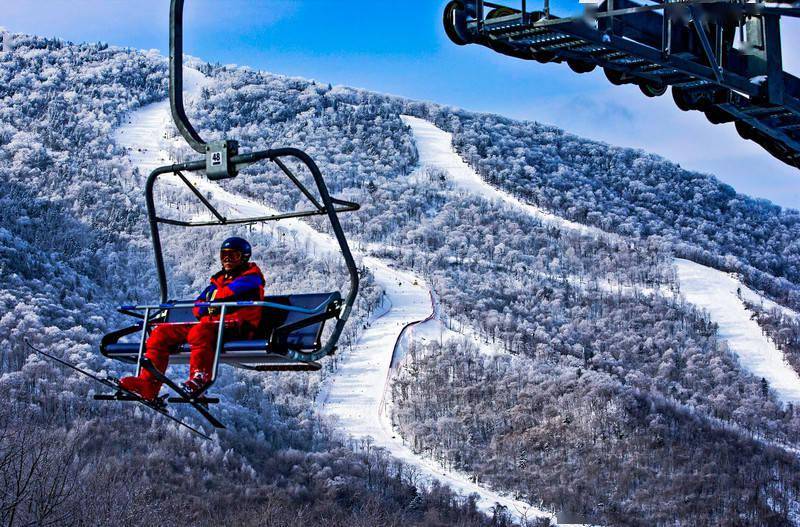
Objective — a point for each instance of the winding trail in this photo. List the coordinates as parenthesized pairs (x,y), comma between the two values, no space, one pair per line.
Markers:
(707,288)
(435,149)
(354,396)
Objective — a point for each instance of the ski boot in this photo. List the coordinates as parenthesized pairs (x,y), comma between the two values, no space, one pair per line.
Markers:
(197,382)
(145,388)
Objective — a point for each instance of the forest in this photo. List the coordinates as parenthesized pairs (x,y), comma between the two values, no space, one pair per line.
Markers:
(605,385)
(74,247)
(601,308)
(576,437)
(781,328)
(634,193)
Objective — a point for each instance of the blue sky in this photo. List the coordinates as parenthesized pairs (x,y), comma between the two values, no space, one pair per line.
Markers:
(400,48)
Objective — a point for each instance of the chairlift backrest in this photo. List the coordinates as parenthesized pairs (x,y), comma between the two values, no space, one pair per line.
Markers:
(181,314)
(308,337)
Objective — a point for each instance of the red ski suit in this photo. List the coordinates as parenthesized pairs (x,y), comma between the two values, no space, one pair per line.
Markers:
(244,283)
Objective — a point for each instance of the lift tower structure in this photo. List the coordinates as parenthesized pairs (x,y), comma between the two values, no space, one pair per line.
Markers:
(722,58)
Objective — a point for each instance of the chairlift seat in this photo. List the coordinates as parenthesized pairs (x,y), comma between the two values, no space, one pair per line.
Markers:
(282,331)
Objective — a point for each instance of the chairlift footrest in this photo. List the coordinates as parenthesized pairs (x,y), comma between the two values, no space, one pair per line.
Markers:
(285,366)
(199,400)
(158,403)
(195,402)
(114,397)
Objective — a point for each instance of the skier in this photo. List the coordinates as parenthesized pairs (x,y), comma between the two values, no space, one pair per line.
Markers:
(238,280)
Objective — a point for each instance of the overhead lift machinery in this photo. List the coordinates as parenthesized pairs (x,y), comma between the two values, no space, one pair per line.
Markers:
(722,58)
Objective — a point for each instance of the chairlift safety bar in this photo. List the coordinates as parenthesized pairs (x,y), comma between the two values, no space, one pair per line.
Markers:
(241,303)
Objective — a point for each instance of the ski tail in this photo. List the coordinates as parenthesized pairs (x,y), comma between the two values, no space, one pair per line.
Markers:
(122,394)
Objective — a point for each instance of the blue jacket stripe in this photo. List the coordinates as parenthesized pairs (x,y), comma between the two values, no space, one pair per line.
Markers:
(245,284)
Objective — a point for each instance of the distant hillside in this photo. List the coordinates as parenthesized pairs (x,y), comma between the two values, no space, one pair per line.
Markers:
(529,289)
(636,194)
(597,395)
(619,190)
(73,246)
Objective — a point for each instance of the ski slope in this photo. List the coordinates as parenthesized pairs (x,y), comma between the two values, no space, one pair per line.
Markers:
(702,286)
(145,132)
(715,292)
(436,151)
(354,397)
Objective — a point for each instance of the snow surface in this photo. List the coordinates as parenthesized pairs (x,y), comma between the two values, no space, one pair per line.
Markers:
(355,397)
(436,151)
(145,132)
(702,286)
(715,292)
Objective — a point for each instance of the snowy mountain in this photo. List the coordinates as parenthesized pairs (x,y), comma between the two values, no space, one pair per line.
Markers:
(526,329)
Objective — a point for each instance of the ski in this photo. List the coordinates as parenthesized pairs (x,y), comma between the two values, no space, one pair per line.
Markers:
(196,403)
(122,394)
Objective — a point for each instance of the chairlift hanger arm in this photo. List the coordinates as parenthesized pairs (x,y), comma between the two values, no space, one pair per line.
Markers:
(218,153)
(176,79)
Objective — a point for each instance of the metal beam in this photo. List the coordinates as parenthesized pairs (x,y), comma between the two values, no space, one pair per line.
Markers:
(772,40)
(707,49)
(732,81)
(753,121)
(202,198)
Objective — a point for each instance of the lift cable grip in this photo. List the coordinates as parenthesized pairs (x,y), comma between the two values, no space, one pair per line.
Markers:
(218,153)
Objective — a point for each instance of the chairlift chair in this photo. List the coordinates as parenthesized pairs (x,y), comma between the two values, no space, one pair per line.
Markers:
(291,336)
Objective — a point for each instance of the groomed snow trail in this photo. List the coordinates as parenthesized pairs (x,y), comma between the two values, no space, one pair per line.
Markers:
(354,396)
(702,286)
(145,132)
(715,292)
(436,151)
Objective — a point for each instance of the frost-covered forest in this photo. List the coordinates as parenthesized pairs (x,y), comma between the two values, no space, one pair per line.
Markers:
(574,436)
(547,302)
(608,392)
(566,303)
(781,328)
(75,246)
(636,194)
(625,191)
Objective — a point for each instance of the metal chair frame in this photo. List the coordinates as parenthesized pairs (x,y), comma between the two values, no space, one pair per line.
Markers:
(223,161)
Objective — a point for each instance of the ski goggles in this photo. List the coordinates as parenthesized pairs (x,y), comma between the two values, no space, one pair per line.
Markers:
(230,255)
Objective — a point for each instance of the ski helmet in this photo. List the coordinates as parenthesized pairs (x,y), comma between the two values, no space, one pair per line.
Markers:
(238,244)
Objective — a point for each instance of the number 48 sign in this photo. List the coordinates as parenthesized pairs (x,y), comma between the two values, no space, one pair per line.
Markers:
(218,159)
